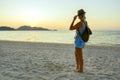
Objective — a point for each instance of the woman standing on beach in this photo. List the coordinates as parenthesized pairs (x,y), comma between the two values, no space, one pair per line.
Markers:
(79,43)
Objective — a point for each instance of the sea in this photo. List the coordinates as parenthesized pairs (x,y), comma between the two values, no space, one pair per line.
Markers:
(100,38)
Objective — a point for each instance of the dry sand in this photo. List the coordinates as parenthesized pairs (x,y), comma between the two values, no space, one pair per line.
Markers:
(50,61)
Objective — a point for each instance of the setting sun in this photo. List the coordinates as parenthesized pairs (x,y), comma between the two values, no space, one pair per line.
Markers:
(31,17)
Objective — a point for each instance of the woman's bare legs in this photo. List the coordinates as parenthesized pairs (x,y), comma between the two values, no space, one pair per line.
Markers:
(79,59)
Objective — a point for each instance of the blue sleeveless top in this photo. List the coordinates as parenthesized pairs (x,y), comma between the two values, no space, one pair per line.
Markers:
(79,43)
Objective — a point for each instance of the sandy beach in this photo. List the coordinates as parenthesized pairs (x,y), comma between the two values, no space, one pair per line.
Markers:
(51,61)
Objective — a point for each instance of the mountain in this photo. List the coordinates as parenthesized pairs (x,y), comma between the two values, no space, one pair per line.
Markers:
(25,28)
(31,28)
(6,28)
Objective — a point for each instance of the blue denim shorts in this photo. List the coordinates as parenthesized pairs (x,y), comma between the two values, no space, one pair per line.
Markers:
(79,43)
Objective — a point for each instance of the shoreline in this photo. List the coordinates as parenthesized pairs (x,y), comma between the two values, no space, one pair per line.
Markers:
(87,44)
(51,61)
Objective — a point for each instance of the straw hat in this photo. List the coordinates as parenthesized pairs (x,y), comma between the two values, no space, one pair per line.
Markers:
(81,11)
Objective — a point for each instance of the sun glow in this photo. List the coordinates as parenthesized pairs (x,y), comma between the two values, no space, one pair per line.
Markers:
(32,18)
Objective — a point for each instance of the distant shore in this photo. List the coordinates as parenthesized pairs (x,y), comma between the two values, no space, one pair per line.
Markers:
(52,61)
(24,28)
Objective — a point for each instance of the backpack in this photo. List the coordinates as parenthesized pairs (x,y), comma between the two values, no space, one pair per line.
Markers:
(86,33)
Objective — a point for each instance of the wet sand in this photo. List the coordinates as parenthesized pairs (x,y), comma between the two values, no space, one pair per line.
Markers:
(50,61)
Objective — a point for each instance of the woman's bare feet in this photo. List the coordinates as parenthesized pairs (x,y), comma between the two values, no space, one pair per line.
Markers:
(78,69)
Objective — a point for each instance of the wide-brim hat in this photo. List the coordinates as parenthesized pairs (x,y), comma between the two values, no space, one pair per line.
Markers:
(80,12)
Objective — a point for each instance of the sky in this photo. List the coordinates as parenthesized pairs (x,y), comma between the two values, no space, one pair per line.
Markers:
(58,14)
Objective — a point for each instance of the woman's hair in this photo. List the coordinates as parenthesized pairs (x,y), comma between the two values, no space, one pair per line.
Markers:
(82,15)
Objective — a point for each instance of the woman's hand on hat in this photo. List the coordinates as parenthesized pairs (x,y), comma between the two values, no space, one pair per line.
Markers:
(75,17)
